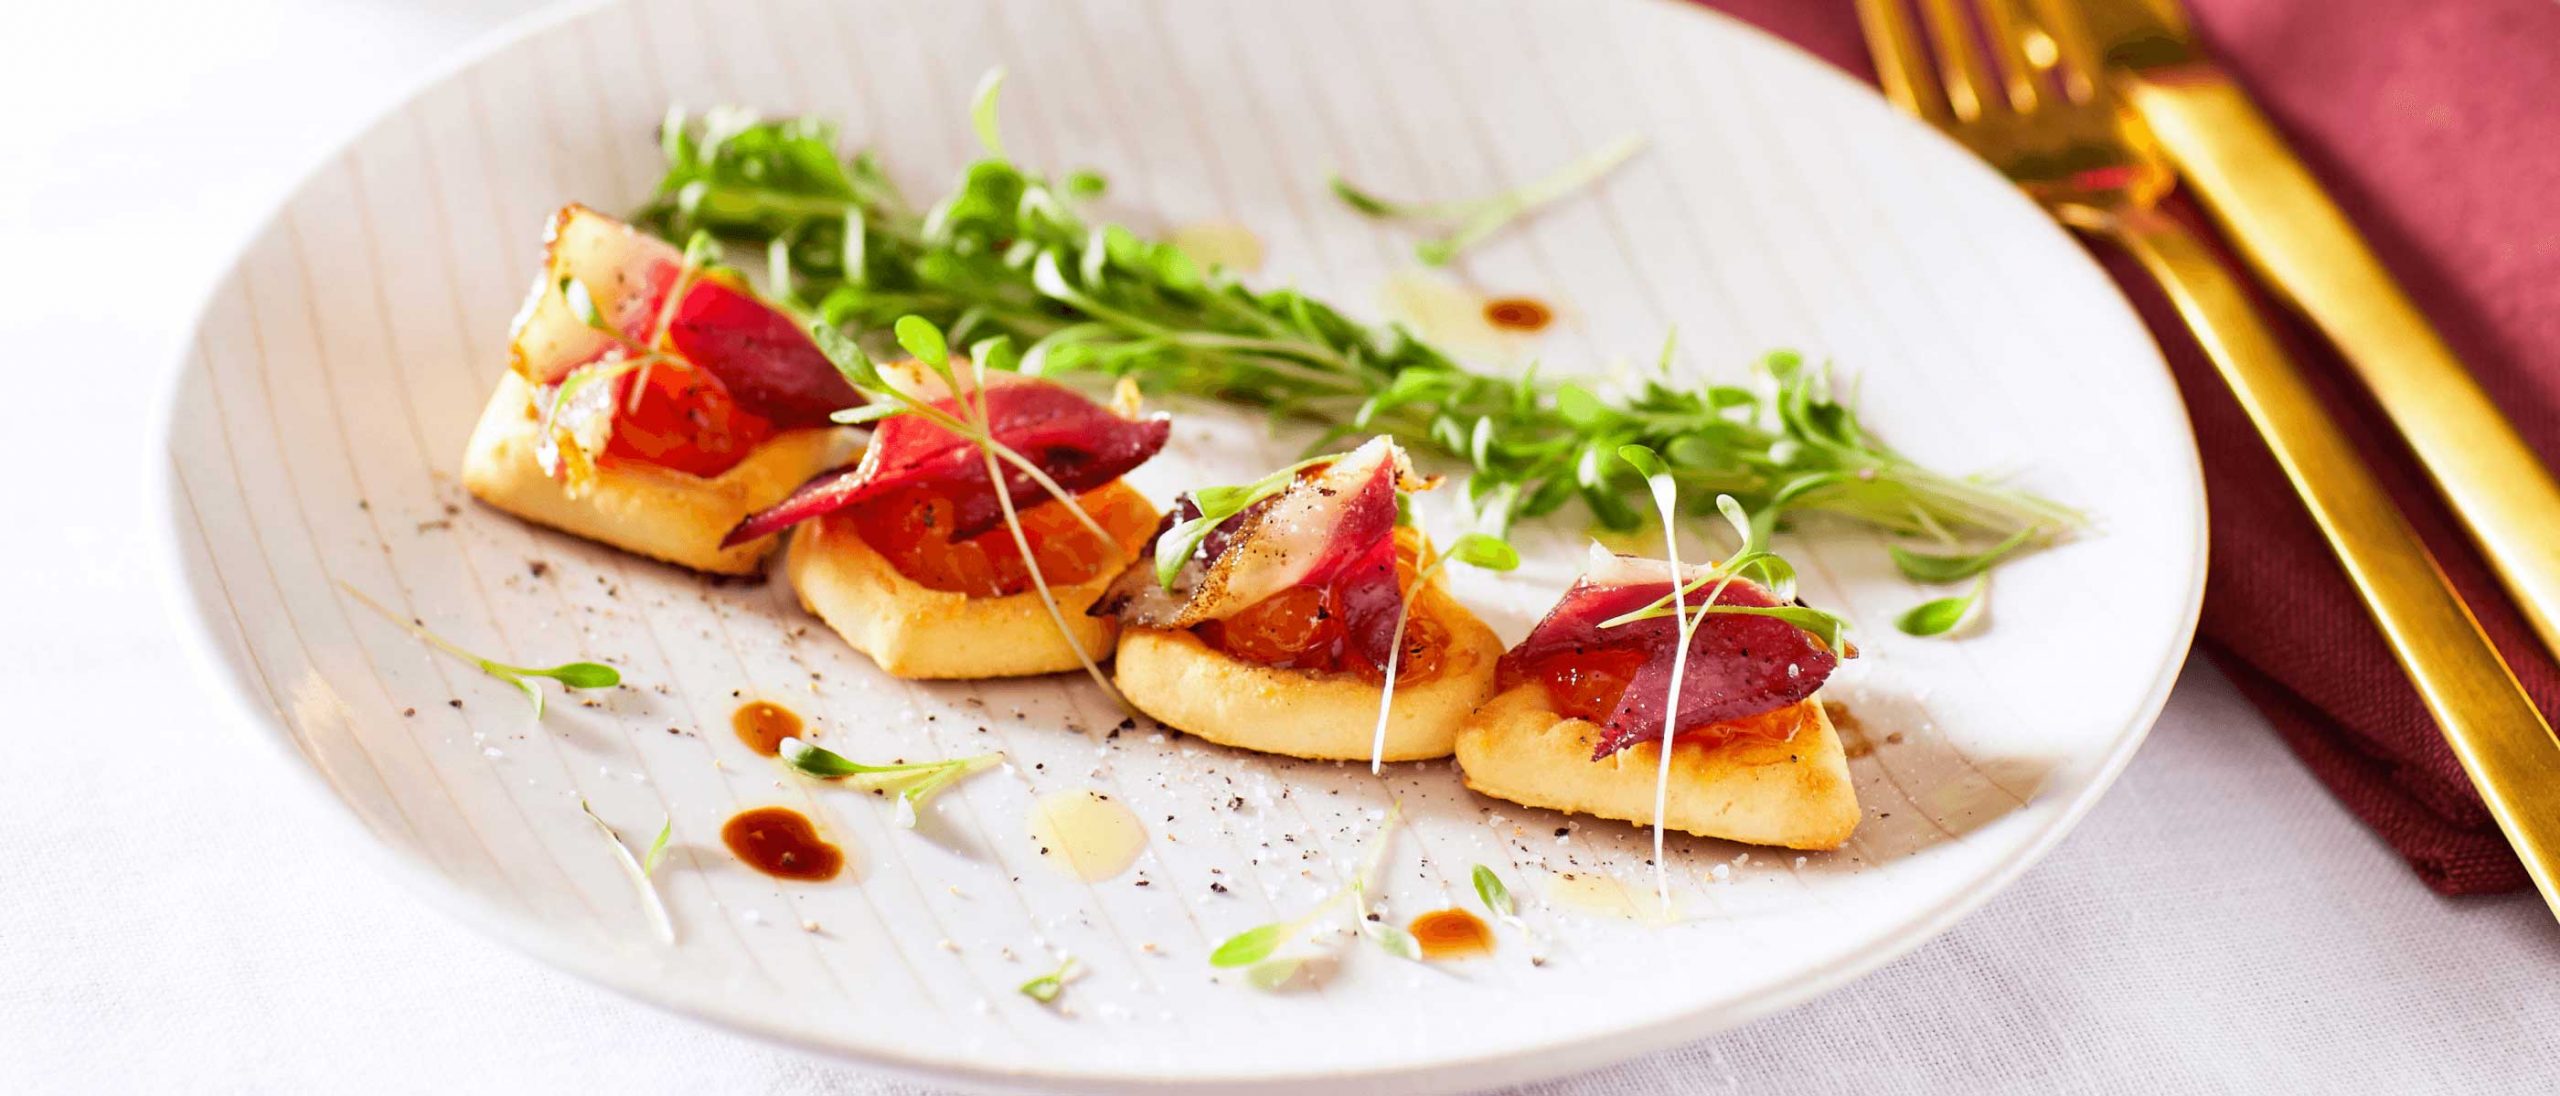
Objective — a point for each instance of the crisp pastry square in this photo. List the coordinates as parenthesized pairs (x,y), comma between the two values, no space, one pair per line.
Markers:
(1794,793)
(1173,676)
(914,631)
(654,512)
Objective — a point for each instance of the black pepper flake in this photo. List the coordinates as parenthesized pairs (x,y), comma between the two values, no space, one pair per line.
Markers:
(1563,830)
(408,711)
(455,702)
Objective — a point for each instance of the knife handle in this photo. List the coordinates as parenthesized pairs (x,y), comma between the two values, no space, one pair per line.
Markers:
(2492,725)
(2304,246)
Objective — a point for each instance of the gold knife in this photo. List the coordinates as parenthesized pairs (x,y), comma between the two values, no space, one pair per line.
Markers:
(2301,244)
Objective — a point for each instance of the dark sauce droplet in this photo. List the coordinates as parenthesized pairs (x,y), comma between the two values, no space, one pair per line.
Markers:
(1518,314)
(782,843)
(1451,934)
(763,724)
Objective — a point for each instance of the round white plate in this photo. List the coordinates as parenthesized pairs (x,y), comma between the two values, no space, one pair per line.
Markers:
(322,411)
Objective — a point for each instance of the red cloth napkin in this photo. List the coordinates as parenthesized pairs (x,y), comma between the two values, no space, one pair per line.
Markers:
(2436,126)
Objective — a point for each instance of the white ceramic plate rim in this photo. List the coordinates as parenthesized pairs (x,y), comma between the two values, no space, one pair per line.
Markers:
(1528,1063)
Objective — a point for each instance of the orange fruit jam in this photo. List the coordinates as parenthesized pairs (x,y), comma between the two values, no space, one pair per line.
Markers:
(911,528)
(1301,628)
(1587,685)
(684,420)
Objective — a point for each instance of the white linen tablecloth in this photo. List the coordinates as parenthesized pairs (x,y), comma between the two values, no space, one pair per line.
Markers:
(169,921)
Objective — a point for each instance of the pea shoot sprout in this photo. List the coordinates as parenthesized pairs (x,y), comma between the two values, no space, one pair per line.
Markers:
(571,675)
(1046,988)
(1007,252)
(973,423)
(1271,955)
(1469,221)
(914,783)
(1498,902)
(1754,561)
(641,869)
(1474,550)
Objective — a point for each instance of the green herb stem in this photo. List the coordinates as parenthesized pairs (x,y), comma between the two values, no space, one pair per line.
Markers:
(570,675)
(1006,253)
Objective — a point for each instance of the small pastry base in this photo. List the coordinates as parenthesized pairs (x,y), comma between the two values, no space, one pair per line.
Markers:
(661,514)
(914,631)
(1186,684)
(1794,793)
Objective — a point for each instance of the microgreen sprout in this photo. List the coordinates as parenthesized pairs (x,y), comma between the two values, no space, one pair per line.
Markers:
(641,869)
(1046,988)
(1006,252)
(914,783)
(1753,561)
(1265,952)
(1942,615)
(1466,222)
(570,675)
(1666,491)
(1495,896)
(972,423)
(1498,902)
(1474,550)
(982,111)
(1927,567)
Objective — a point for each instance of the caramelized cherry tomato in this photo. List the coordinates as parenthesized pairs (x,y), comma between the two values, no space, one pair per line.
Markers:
(1302,628)
(683,420)
(912,529)
(1581,684)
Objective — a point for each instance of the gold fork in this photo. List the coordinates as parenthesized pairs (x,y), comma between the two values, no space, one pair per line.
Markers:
(2047,121)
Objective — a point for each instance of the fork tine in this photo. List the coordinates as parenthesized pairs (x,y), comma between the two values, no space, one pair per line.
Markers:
(1901,66)
(1960,62)
(2008,35)
(2081,66)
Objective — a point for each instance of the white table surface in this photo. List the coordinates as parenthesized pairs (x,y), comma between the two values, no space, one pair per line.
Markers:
(176,914)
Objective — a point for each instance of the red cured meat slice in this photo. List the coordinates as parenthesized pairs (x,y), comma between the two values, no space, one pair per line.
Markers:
(1077,442)
(765,360)
(1739,664)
